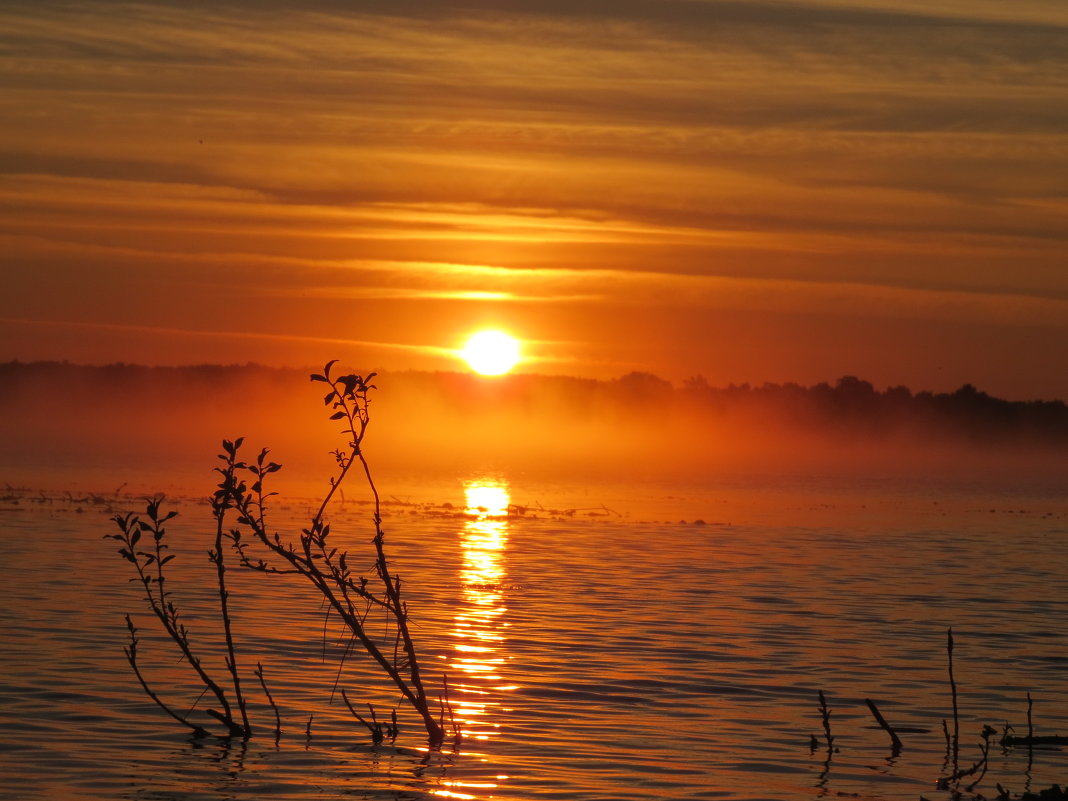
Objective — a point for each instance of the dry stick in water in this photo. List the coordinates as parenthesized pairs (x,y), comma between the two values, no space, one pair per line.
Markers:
(1030,736)
(949,747)
(270,700)
(894,739)
(953,691)
(1030,726)
(446,707)
(1031,739)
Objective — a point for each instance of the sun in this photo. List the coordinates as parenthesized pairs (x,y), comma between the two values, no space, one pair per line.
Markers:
(491,352)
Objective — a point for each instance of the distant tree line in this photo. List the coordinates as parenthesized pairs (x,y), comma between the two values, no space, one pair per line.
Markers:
(854,404)
(850,406)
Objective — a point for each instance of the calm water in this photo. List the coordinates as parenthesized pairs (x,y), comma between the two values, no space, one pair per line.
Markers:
(657,642)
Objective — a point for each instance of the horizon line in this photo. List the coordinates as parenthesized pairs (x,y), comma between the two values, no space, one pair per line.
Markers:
(746,385)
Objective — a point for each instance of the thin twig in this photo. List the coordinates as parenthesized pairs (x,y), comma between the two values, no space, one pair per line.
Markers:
(220,505)
(131,657)
(825,713)
(270,700)
(956,711)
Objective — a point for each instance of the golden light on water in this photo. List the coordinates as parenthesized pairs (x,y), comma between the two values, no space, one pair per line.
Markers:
(478,626)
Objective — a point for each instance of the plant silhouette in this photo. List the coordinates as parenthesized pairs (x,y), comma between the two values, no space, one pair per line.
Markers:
(357,600)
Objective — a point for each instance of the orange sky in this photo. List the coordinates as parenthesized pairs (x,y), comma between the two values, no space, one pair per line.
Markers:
(752,191)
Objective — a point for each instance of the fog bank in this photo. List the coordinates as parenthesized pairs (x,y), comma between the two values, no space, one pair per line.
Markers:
(126,421)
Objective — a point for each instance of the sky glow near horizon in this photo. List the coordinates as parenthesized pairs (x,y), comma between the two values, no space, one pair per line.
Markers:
(750,191)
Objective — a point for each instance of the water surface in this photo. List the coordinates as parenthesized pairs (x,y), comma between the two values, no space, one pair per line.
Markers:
(600,643)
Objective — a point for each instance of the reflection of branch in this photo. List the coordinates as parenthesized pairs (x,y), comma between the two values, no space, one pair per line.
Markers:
(979,766)
(1039,739)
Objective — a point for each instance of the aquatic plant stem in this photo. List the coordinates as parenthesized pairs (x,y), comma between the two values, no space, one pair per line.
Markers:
(220,504)
(953,692)
(1030,735)
(131,657)
(349,596)
(132,528)
(1030,724)
(400,611)
(825,714)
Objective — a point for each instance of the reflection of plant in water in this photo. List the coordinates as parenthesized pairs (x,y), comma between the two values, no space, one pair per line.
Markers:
(357,600)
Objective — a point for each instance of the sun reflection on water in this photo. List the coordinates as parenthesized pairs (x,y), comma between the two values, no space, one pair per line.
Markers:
(479,624)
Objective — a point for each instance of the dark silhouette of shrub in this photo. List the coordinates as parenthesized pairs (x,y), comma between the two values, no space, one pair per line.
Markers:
(355,599)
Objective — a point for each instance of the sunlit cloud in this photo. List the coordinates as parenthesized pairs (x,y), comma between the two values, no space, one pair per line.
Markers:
(391,293)
(236,335)
(428,162)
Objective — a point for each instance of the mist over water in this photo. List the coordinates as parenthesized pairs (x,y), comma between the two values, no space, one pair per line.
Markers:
(144,421)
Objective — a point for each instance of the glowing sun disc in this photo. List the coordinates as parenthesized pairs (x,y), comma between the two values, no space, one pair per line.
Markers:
(491,352)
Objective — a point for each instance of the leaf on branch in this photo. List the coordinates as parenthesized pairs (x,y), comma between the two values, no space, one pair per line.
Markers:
(337,415)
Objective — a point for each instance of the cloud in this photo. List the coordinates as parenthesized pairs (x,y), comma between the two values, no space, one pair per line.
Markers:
(166,331)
